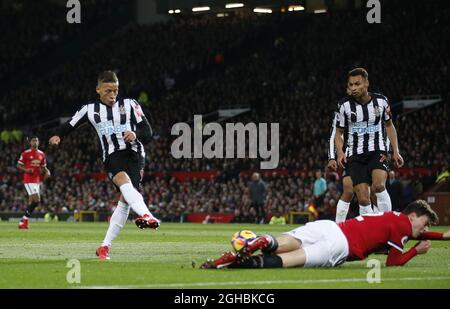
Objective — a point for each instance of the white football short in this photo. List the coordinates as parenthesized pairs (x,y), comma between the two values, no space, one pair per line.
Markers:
(33,188)
(324,243)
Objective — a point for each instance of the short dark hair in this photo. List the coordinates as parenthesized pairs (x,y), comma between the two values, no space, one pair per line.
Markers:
(358,72)
(107,77)
(420,208)
(33,136)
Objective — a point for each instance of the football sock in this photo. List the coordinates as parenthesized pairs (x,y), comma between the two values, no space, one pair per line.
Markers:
(363,210)
(273,244)
(134,199)
(30,209)
(271,261)
(341,211)
(384,201)
(116,223)
(259,261)
(375,209)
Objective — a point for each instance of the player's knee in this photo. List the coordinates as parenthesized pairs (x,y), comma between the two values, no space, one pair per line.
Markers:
(121,178)
(348,189)
(347,182)
(364,201)
(361,192)
(347,196)
(287,243)
(363,197)
(378,187)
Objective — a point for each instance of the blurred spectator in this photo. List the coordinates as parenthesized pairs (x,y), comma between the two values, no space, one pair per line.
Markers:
(443,175)
(258,191)
(320,188)
(290,89)
(143,99)
(277,219)
(394,188)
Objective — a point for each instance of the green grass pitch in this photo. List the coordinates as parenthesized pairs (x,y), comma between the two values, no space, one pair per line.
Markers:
(37,258)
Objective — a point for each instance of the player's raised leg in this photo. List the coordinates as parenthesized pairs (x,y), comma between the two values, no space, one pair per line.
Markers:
(133,198)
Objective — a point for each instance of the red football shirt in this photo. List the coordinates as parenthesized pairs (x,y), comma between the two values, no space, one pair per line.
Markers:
(369,233)
(34,159)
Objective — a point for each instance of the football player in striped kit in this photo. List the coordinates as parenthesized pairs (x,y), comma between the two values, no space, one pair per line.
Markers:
(363,128)
(122,128)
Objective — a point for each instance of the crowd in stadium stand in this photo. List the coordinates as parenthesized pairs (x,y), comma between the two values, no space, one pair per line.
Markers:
(271,64)
(43,28)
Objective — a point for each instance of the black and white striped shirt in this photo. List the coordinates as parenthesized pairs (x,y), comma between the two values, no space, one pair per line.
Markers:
(363,125)
(110,123)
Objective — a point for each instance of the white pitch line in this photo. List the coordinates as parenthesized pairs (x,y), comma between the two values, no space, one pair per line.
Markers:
(235,283)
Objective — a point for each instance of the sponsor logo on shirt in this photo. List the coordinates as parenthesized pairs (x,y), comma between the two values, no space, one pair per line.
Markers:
(108,128)
(362,128)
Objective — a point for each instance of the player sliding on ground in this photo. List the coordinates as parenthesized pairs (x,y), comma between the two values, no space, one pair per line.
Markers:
(121,127)
(325,243)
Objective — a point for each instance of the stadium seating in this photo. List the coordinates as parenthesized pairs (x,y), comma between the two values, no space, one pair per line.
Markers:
(279,66)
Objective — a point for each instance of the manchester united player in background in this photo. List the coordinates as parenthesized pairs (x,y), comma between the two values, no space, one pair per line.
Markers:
(324,243)
(34,167)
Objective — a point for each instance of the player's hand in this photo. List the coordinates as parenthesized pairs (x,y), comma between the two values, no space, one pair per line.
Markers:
(341,159)
(332,165)
(30,171)
(54,140)
(45,172)
(129,136)
(423,246)
(397,159)
(446,235)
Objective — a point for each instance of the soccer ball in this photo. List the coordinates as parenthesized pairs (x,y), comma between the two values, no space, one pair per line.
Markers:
(241,238)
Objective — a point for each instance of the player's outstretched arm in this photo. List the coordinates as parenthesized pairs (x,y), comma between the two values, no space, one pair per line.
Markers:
(434,236)
(446,235)
(77,120)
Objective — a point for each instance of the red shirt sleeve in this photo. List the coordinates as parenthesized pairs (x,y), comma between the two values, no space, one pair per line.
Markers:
(431,236)
(399,235)
(397,258)
(21,159)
